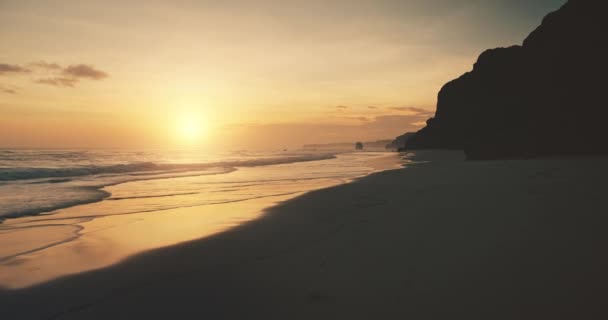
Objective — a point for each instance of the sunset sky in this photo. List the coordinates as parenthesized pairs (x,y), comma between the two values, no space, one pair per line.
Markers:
(237,74)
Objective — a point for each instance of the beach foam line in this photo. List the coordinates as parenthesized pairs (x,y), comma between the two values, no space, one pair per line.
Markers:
(113,177)
(12,174)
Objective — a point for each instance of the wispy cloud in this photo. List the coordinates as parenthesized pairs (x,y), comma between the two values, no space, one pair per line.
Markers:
(12,68)
(45,65)
(356,118)
(68,76)
(413,110)
(51,73)
(84,71)
(327,131)
(8,89)
(342,107)
(58,81)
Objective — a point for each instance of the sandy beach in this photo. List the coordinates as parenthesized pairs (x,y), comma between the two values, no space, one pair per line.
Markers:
(356,159)
(158,211)
(441,238)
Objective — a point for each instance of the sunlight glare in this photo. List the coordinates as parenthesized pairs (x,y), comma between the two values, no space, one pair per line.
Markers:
(190,129)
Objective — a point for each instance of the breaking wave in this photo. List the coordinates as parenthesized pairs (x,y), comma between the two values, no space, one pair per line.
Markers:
(12,174)
(34,191)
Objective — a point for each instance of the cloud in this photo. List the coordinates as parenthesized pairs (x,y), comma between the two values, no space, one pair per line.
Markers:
(12,68)
(420,110)
(298,133)
(8,89)
(58,81)
(414,110)
(53,74)
(357,118)
(45,65)
(400,108)
(84,71)
(68,76)
(394,121)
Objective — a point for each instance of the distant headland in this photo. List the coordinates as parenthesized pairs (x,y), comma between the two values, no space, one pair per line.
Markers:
(380,145)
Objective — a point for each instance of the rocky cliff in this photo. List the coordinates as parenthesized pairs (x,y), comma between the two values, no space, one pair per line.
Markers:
(545,97)
(399,143)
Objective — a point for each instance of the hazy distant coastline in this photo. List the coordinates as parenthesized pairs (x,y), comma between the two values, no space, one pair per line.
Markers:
(379,145)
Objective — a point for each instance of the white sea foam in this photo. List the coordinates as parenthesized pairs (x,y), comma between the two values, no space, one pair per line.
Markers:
(62,212)
(36,182)
(27,173)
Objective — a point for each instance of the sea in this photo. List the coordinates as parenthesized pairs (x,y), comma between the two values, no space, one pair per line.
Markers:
(67,211)
(34,182)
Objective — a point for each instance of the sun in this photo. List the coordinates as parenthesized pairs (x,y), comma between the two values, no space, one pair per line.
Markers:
(190,129)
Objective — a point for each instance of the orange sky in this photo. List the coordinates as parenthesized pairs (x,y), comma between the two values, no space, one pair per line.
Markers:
(237,74)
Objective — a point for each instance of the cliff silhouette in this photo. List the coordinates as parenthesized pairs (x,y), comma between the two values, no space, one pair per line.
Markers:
(398,144)
(545,97)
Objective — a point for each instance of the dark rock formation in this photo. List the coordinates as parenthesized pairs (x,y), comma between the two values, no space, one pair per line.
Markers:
(399,143)
(540,99)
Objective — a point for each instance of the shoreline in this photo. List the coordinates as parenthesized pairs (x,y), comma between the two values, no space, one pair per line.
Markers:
(201,169)
(509,239)
(140,215)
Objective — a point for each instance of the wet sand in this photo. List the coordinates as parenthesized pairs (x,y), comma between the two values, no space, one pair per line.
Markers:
(439,239)
(148,214)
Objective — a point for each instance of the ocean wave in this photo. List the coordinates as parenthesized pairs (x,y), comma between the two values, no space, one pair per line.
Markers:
(154,196)
(40,199)
(60,180)
(86,195)
(12,174)
(28,191)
